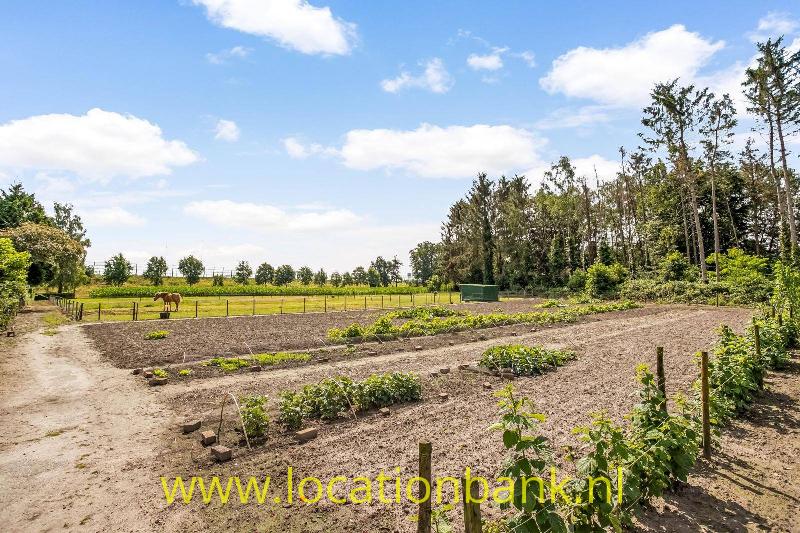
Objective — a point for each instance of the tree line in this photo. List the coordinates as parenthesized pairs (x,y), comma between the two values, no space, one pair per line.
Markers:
(682,191)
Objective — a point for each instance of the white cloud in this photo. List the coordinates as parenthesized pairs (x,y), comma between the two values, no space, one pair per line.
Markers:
(436,152)
(98,145)
(111,217)
(774,24)
(586,166)
(625,76)
(435,78)
(267,217)
(222,57)
(299,150)
(491,61)
(294,24)
(575,118)
(528,57)
(226,130)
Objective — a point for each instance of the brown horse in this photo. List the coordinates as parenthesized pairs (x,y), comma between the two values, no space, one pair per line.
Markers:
(169,298)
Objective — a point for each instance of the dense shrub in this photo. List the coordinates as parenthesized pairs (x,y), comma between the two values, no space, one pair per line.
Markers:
(602,281)
(577,281)
(13,273)
(254,415)
(653,290)
(674,267)
(333,396)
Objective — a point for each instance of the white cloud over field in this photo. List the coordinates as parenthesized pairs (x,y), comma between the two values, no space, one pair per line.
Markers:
(264,217)
(434,78)
(293,24)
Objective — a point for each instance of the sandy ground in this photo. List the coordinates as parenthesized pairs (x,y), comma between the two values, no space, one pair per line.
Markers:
(116,436)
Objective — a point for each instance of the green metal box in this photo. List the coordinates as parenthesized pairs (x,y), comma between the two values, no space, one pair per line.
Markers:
(479,293)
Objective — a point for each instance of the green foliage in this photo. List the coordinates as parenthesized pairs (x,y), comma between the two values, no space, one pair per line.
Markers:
(160,373)
(652,290)
(13,273)
(270,359)
(603,281)
(427,324)
(424,312)
(254,415)
(228,364)
(333,396)
(217,280)
(156,270)
(577,281)
(528,456)
(373,277)
(674,267)
(265,274)
(424,258)
(524,360)
(745,274)
(191,268)
(144,291)
(117,270)
(548,304)
(320,278)
(336,279)
(305,275)
(18,207)
(158,334)
(434,283)
(55,257)
(185,372)
(242,273)
(284,275)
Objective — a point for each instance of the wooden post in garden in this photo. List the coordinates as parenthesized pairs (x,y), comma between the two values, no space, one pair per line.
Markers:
(304,305)
(472,509)
(98,311)
(382,300)
(227,308)
(325,297)
(424,516)
(195,308)
(133,311)
(661,379)
(81,311)
(704,395)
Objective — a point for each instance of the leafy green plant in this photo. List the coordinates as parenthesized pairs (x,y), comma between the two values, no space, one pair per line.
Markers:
(158,334)
(548,304)
(524,360)
(270,359)
(160,373)
(228,364)
(332,396)
(185,372)
(254,415)
(603,281)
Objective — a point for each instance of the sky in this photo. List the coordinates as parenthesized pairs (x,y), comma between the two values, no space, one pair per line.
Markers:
(325,133)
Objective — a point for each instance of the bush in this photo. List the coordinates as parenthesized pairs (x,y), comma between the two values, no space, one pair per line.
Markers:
(524,360)
(217,280)
(577,281)
(191,268)
(603,281)
(674,267)
(333,396)
(13,273)
(254,415)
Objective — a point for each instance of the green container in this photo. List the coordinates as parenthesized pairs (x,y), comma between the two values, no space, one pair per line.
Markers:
(480,293)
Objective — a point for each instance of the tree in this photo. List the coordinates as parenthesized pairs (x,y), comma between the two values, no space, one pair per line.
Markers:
(55,257)
(481,202)
(394,271)
(71,223)
(117,270)
(305,275)
(359,276)
(243,273)
(191,268)
(423,261)
(336,278)
(557,261)
(284,275)
(320,278)
(383,268)
(373,277)
(13,274)
(155,270)
(347,279)
(18,207)
(265,274)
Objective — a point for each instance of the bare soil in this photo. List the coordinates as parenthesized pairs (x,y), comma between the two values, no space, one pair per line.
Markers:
(126,435)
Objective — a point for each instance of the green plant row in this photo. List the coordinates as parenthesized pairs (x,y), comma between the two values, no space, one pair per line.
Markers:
(384,327)
(524,360)
(331,397)
(231,364)
(144,291)
(655,450)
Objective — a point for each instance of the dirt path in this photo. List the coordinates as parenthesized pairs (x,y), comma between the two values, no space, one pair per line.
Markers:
(77,435)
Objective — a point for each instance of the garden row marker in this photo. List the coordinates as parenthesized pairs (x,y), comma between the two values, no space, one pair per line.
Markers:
(472,509)
(424,517)
(704,395)
(661,379)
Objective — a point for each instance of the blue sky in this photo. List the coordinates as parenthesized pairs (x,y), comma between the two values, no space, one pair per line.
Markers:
(328,133)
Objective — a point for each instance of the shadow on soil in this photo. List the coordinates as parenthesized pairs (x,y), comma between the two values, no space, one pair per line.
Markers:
(693,508)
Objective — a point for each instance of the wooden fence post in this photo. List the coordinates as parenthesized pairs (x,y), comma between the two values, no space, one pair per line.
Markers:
(304,305)
(81,318)
(227,308)
(133,311)
(472,509)
(326,303)
(99,304)
(660,376)
(424,516)
(704,395)
(195,308)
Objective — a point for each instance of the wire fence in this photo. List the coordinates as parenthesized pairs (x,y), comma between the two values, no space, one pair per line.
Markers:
(132,309)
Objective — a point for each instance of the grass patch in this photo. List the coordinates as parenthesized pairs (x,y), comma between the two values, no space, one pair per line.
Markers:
(158,334)
(52,321)
(270,359)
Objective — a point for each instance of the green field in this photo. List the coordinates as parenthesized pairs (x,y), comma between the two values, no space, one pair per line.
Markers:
(121,309)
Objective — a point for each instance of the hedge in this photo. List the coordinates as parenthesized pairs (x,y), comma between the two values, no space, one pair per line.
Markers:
(143,291)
